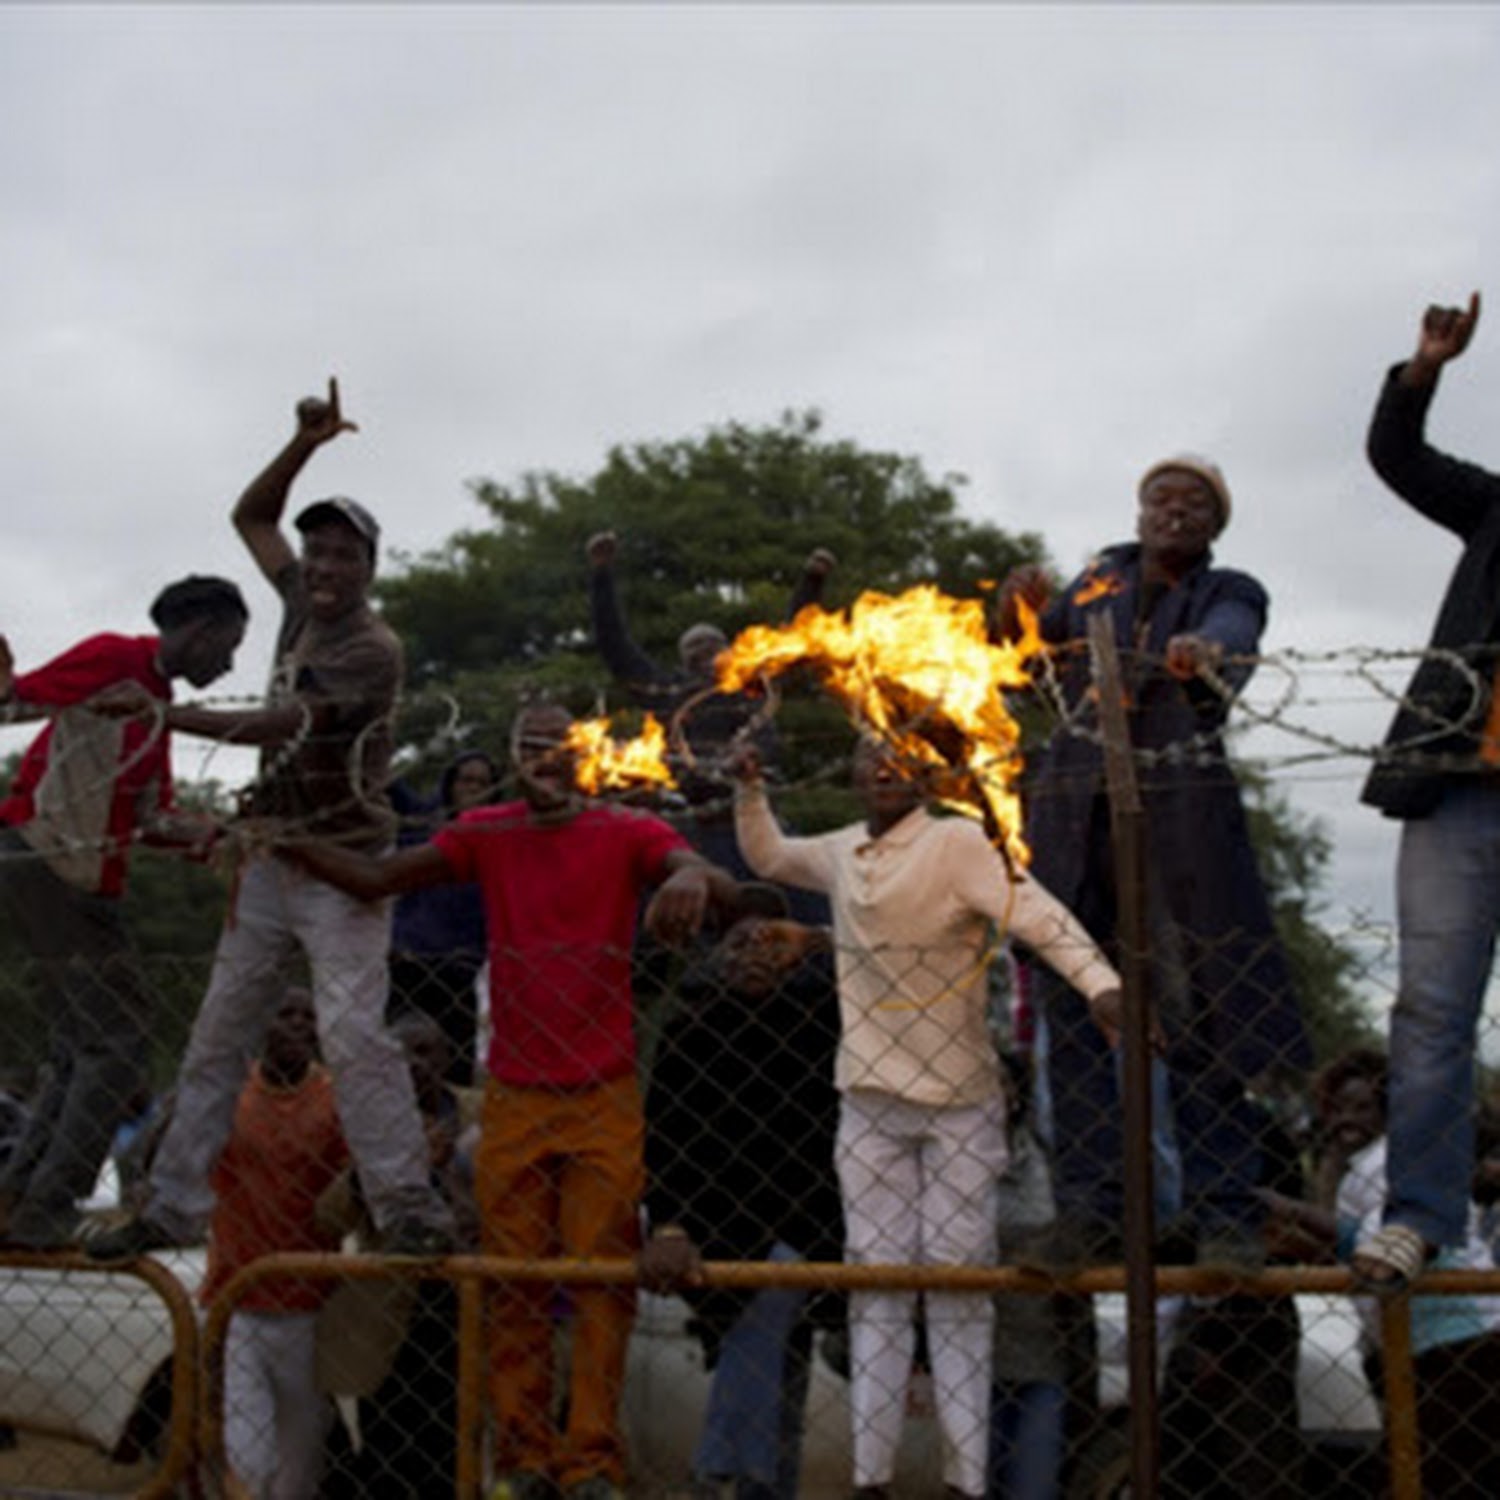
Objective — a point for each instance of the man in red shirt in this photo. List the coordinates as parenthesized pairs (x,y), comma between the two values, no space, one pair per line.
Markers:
(87,787)
(559,1166)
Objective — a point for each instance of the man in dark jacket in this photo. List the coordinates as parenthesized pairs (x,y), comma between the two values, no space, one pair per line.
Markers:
(703,721)
(1187,631)
(1437,772)
(740,1124)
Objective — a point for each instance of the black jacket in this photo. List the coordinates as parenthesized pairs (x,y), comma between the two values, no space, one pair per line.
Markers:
(1205,880)
(1433,737)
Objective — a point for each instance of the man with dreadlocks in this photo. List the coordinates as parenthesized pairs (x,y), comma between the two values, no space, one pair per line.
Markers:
(87,787)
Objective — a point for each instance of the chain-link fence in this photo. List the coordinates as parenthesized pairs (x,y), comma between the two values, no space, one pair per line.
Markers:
(867,1196)
(746,1149)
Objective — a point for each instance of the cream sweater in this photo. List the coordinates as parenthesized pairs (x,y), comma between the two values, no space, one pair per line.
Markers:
(912,916)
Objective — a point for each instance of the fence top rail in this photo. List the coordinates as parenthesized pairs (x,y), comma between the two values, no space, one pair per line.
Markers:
(177,1457)
(1274,1281)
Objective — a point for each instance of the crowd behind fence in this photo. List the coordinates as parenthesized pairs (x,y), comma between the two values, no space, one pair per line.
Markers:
(751,1141)
(1272,1381)
(871,1104)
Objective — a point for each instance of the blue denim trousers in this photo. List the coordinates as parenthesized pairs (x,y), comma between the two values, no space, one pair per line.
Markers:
(1448,910)
(1026,1440)
(752,1429)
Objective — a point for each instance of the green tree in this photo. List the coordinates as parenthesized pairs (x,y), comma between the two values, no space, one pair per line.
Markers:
(714,527)
(717,528)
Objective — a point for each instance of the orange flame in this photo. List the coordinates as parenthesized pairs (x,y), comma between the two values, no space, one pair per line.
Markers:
(920,670)
(605,764)
(1098,586)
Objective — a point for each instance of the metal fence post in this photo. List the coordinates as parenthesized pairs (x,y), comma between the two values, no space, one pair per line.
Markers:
(1140,1215)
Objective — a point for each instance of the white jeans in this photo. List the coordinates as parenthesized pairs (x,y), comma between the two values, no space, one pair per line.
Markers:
(279,909)
(275,1417)
(920,1187)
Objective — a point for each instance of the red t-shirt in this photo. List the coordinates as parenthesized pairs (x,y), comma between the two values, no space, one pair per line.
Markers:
(86,781)
(285,1149)
(560,907)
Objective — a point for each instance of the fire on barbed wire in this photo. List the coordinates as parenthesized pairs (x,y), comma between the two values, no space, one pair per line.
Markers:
(1098,586)
(605,764)
(919,670)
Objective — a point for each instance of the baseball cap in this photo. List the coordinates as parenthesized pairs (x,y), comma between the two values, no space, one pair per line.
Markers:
(341,508)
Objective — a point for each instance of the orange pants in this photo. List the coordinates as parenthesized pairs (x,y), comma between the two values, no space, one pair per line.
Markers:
(560,1172)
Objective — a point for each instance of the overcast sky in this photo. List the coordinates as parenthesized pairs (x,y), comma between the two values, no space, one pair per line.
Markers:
(1040,247)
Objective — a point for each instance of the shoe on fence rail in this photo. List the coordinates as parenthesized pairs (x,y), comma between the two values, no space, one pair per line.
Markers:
(416,1239)
(135,1237)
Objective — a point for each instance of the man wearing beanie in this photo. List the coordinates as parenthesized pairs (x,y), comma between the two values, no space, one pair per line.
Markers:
(1187,632)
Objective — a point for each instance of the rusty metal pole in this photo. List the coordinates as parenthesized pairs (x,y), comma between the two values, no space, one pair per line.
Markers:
(1402,1440)
(468,1464)
(1125,821)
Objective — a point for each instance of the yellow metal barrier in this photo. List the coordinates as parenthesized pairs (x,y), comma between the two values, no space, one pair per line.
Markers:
(178,1456)
(472,1272)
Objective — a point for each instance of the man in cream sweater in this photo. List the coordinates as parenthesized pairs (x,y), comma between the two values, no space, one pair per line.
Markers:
(921,1139)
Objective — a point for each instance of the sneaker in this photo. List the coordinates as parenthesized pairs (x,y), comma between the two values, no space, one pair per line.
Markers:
(135,1237)
(523,1484)
(416,1239)
(41,1232)
(595,1487)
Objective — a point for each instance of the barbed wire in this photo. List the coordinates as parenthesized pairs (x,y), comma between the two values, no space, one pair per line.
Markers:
(1237,714)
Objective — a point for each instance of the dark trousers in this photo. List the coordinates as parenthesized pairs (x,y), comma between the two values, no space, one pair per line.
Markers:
(409,1427)
(1217,1129)
(1458,1417)
(443,990)
(92,991)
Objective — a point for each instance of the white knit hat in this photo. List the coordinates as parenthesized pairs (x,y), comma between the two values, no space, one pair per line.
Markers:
(1206,470)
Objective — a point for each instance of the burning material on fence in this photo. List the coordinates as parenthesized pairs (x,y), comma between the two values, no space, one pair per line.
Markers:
(919,670)
(1096,585)
(605,764)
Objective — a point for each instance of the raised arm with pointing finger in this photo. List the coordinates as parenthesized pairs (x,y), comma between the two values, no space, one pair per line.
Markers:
(258,512)
(1437,773)
(326,733)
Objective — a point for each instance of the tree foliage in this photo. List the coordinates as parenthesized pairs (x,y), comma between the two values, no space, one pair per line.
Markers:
(717,527)
(711,528)
(714,527)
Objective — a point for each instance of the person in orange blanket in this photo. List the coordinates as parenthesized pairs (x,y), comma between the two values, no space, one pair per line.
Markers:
(284,1150)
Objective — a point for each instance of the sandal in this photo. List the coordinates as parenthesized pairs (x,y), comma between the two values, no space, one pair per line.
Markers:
(1391,1259)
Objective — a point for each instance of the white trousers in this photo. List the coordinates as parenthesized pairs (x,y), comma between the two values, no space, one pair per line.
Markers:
(920,1186)
(275,1417)
(278,912)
